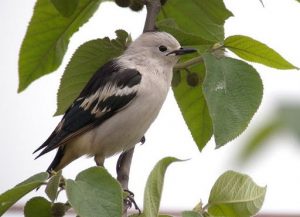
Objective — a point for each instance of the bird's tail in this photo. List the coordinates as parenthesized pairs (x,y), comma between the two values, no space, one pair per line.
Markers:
(56,160)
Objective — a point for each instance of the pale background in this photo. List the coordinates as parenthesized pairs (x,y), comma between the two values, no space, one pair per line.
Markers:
(26,118)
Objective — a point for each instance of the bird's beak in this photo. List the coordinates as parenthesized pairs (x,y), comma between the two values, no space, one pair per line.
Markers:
(182,51)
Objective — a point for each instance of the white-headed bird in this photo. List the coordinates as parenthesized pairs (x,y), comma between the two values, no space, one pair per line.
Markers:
(118,104)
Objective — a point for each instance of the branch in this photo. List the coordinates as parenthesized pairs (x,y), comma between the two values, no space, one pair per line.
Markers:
(153,8)
(191,62)
(123,167)
(123,170)
(217,50)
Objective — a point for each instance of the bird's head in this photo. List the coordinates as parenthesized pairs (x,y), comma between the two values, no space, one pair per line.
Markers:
(160,46)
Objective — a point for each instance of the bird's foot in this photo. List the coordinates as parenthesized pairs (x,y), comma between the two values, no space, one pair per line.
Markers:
(129,201)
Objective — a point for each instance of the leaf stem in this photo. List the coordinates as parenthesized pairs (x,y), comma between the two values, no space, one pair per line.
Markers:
(191,62)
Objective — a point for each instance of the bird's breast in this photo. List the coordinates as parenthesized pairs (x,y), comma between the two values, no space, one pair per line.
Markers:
(126,128)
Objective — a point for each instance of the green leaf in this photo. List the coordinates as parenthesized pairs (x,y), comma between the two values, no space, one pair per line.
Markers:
(143,215)
(86,60)
(257,141)
(193,107)
(65,7)
(255,51)
(286,119)
(233,91)
(184,38)
(52,186)
(39,177)
(10,197)
(289,116)
(38,207)
(154,187)
(235,195)
(191,214)
(47,38)
(204,18)
(95,193)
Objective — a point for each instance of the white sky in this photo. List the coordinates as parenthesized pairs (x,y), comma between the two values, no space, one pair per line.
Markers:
(26,118)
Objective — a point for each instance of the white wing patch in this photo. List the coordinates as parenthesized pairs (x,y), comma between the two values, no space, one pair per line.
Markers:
(109,90)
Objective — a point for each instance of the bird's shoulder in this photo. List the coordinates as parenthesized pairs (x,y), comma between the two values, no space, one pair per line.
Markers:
(111,74)
(111,88)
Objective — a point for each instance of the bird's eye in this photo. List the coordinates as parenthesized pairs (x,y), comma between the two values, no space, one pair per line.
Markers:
(162,48)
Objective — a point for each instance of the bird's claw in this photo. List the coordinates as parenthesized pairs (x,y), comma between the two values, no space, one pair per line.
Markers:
(130,193)
(129,200)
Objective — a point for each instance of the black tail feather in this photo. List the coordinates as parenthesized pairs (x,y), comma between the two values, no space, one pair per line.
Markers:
(53,134)
(56,160)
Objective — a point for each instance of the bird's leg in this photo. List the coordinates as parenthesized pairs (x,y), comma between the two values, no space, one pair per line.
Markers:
(123,169)
(99,160)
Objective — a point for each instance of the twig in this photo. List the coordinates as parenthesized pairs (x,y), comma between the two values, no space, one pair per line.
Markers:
(153,8)
(217,50)
(191,62)
(123,167)
(123,170)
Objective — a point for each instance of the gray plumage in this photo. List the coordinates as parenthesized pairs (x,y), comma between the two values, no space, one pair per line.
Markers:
(118,104)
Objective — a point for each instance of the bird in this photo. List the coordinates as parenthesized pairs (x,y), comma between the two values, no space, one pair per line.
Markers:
(118,104)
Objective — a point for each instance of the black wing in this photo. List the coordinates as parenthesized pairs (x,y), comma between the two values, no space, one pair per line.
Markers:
(110,89)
